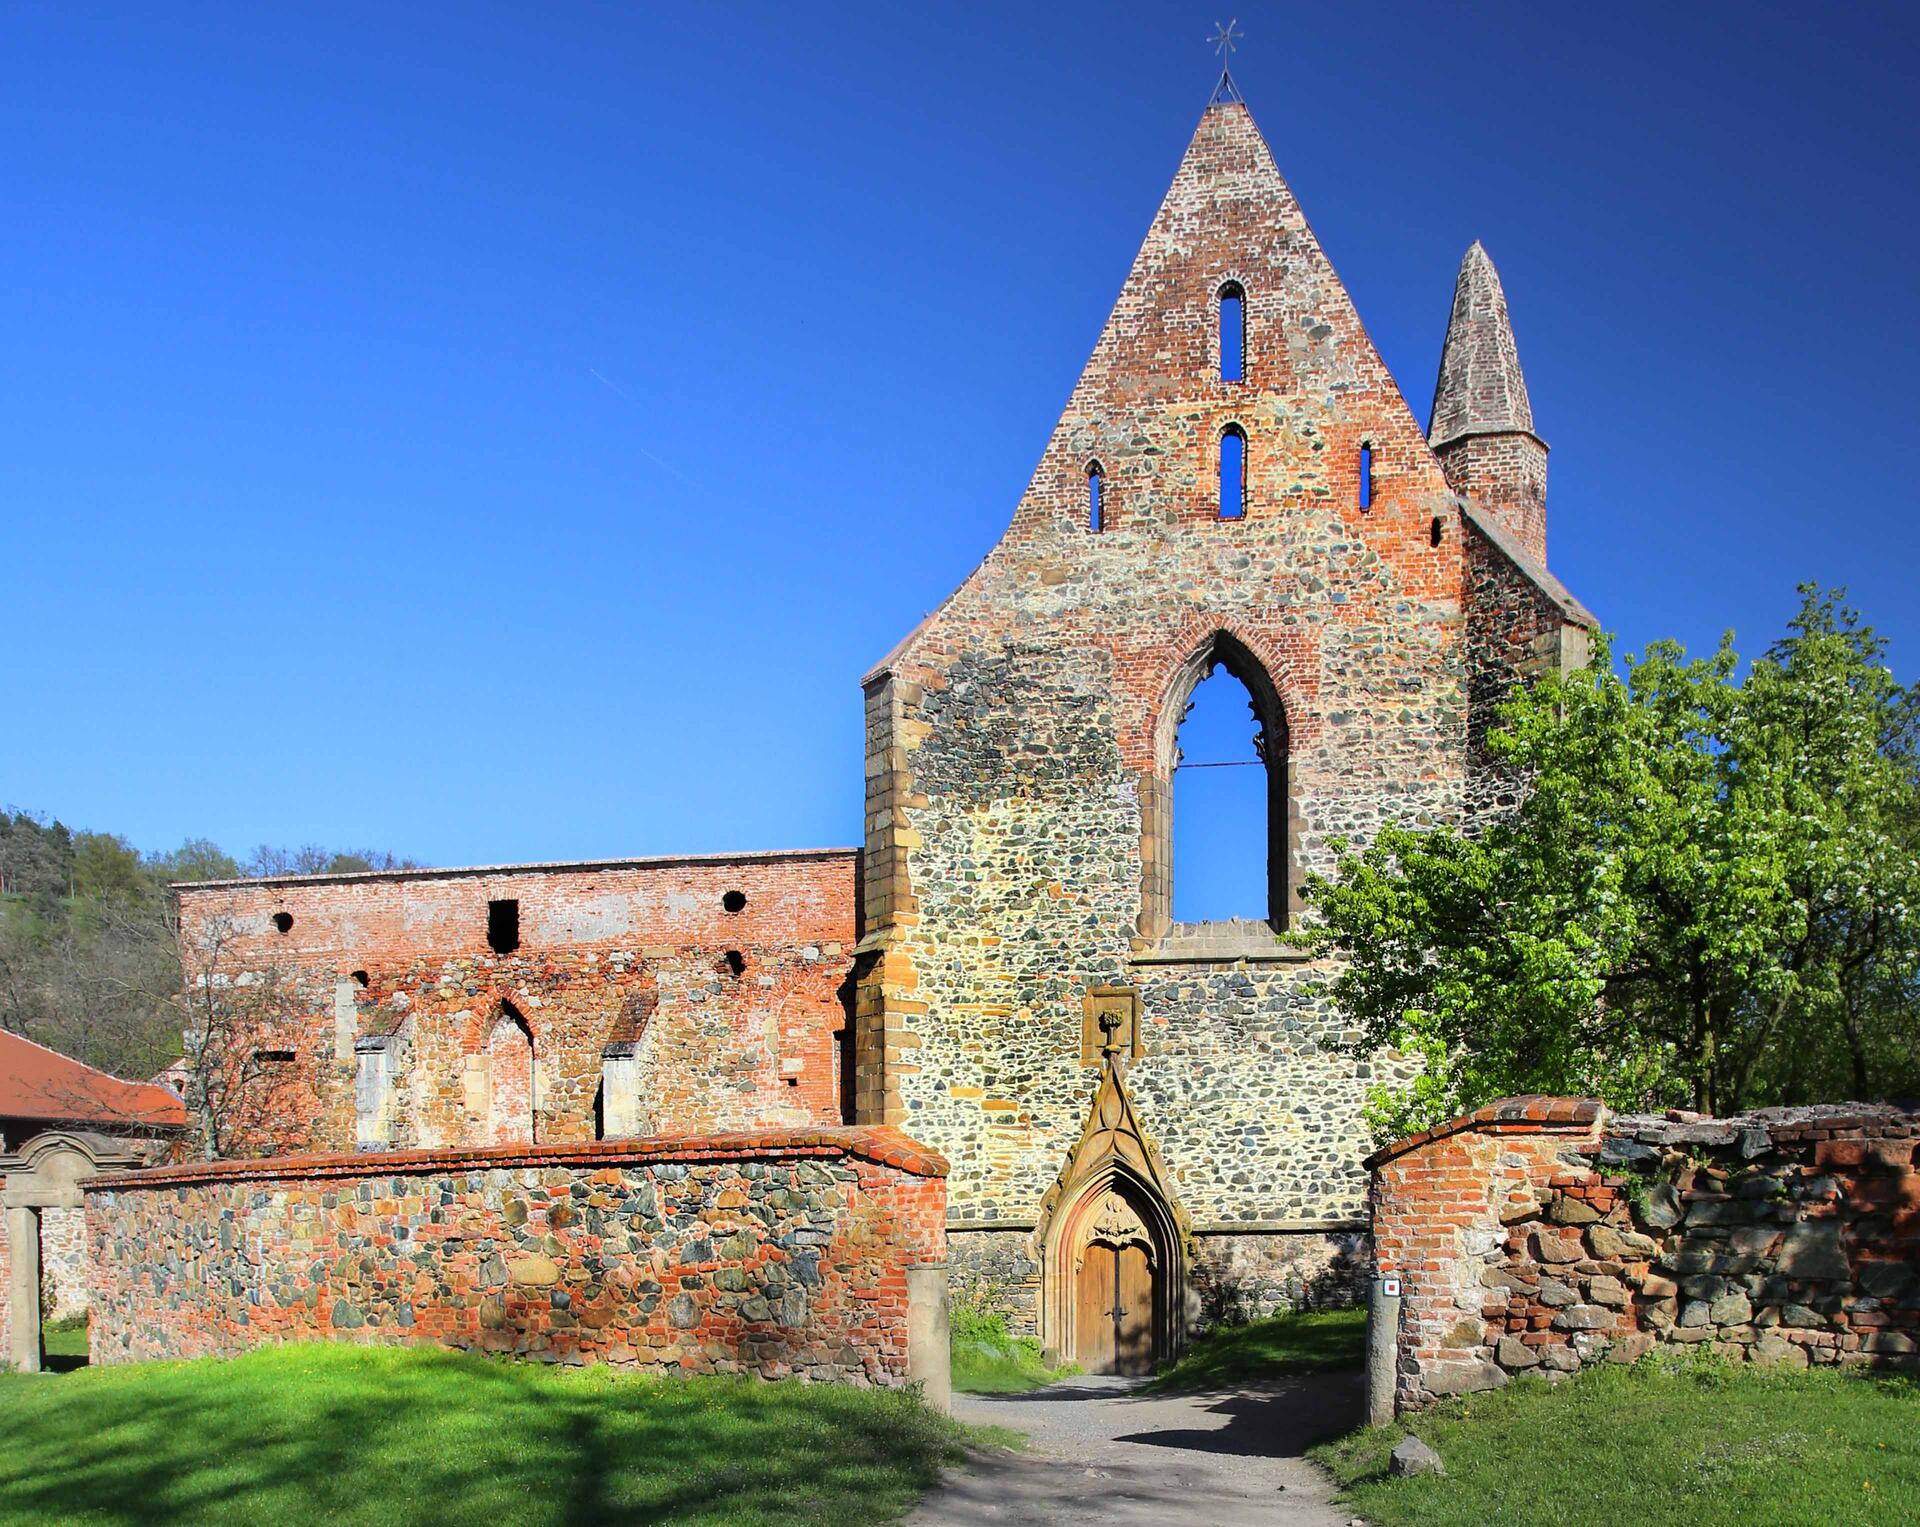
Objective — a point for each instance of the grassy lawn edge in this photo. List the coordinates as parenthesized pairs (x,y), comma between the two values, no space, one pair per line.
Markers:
(336,1432)
(1681,1442)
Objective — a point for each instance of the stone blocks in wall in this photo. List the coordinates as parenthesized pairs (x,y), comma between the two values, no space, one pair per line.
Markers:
(1241,1277)
(775,1253)
(1539,1235)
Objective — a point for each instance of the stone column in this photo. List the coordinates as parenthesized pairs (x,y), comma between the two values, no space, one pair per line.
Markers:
(23,1293)
(1383,1347)
(929,1335)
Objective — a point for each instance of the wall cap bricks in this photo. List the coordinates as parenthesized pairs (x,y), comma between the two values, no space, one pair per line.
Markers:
(1530,1113)
(882,1145)
(544,867)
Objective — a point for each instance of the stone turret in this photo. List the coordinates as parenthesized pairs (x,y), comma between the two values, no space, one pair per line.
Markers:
(1482,423)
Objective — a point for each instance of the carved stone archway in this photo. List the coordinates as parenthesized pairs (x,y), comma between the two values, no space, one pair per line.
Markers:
(43,1174)
(1114,1198)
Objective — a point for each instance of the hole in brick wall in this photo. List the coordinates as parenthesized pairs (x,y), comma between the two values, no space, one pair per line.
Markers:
(1366,474)
(793,1081)
(273,1057)
(1434,535)
(1096,498)
(600,1111)
(734,901)
(503,926)
(359,977)
(736,962)
(1233,332)
(283,921)
(1233,472)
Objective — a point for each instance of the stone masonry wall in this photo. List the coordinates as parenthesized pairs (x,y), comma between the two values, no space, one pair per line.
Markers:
(63,1263)
(715,985)
(1020,743)
(1539,1235)
(778,1253)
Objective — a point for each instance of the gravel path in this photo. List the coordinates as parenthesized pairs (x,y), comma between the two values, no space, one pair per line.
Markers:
(1101,1451)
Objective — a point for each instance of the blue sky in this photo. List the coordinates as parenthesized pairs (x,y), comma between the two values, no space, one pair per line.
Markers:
(498,433)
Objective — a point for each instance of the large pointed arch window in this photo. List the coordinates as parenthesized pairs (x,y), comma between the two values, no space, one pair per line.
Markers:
(1222,826)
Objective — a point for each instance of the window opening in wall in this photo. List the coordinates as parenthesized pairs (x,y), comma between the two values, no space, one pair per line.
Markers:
(1433,535)
(283,921)
(503,926)
(1096,498)
(1233,472)
(359,978)
(512,1081)
(1233,332)
(1222,833)
(1220,805)
(273,1057)
(600,1110)
(734,901)
(1366,474)
(736,962)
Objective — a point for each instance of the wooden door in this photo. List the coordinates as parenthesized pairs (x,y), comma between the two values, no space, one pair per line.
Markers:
(1093,1309)
(1113,1310)
(1133,1313)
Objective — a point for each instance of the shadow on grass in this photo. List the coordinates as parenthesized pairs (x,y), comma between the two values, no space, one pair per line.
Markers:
(365,1434)
(1279,1346)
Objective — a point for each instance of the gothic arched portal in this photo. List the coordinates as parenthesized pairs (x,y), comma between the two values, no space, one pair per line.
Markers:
(1113,1245)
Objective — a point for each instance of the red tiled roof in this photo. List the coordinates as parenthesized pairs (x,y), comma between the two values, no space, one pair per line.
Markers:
(38,1083)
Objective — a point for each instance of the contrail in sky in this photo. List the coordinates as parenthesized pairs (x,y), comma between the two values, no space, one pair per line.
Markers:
(667,467)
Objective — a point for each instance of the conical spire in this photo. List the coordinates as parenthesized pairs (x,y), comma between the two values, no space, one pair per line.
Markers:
(1482,424)
(1481,390)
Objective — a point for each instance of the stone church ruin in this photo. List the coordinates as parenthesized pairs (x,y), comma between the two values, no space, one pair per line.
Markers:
(978,1041)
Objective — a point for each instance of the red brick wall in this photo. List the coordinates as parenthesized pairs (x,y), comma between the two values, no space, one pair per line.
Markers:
(1539,1235)
(633,952)
(775,1253)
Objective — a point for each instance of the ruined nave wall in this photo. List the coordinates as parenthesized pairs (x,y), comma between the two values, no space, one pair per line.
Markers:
(655,995)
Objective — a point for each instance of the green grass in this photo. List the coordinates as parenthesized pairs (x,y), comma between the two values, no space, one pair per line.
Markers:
(1276,1347)
(64,1343)
(1012,1366)
(364,1434)
(989,1360)
(1693,1445)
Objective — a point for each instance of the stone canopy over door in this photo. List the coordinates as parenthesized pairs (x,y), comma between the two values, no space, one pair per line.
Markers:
(1113,1245)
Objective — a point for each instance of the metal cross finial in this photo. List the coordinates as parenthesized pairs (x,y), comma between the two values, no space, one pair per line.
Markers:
(1225,40)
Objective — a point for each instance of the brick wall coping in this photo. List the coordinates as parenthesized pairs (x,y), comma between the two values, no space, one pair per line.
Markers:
(546,867)
(884,1145)
(1530,1114)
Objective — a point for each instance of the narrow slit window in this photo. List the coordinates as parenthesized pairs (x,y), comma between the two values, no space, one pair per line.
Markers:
(1233,472)
(1233,332)
(1366,474)
(1434,535)
(1096,498)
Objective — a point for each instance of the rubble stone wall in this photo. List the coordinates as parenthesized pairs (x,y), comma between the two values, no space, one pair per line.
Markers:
(777,1253)
(63,1263)
(1539,1235)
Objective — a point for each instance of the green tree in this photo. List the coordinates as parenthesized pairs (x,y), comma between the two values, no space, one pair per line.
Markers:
(1706,894)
